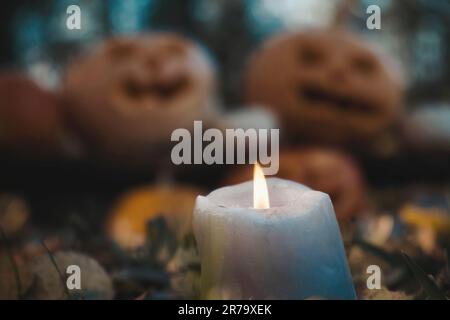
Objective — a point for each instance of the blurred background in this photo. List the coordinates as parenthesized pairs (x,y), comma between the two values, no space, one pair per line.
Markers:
(391,191)
(414,33)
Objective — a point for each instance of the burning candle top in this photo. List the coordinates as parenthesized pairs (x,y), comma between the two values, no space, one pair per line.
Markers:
(284,245)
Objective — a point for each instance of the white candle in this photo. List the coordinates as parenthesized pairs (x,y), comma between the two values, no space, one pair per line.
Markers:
(292,250)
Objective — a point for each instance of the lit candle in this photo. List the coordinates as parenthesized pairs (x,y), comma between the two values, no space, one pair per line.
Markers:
(287,248)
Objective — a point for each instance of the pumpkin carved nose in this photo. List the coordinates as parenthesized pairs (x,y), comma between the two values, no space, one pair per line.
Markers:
(152,63)
(338,74)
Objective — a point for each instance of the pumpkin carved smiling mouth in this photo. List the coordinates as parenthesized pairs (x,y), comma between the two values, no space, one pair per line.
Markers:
(315,95)
(161,90)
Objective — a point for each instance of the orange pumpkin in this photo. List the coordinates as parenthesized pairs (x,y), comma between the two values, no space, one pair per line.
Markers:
(127,223)
(321,169)
(129,94)
(325,86)
(30,119)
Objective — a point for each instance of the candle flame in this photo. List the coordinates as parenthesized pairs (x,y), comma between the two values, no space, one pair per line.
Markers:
(260,192)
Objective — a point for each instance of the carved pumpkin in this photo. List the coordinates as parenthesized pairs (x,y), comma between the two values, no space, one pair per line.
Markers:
(324,170)
(30,120)
(129,94)
(325,86)
(127,224)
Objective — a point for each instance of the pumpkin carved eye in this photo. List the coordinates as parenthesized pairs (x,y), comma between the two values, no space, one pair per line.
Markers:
(174,49)
(311,56)
(120,49)
(364,65)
